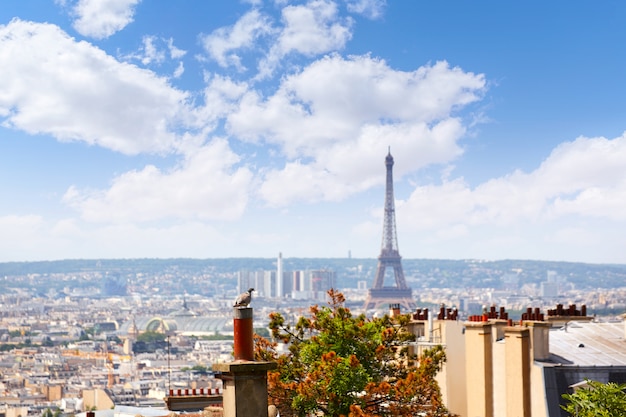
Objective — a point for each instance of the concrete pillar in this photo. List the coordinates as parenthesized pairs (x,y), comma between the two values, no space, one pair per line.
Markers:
(479,369)
(244,380)
(517,353)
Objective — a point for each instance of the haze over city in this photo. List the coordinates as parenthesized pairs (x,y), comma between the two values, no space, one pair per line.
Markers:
(133,129)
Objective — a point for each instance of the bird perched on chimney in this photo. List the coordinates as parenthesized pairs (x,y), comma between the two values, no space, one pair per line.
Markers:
(244,298)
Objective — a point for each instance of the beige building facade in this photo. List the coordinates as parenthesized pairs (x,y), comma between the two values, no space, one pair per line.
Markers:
(499,368)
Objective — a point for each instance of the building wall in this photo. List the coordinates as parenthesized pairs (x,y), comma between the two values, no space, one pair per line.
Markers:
(16,411)
(499,367)
(452,377)
(279,276)
(52,392)
(517,396)
(539,388)
(98,399)
(269,284)
(303,284)
(479,369)
(494,369)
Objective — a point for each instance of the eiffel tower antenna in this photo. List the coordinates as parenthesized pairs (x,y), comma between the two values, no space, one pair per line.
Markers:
(389,256)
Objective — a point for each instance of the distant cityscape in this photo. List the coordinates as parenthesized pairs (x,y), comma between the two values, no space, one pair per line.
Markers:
(70,330)
(463,282)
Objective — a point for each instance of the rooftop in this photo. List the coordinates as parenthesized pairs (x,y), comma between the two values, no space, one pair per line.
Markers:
(589,344)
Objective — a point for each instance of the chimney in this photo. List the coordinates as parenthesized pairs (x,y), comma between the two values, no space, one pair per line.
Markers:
(517,359)
(479,364)
(243,331)
(539,339)
(244,380)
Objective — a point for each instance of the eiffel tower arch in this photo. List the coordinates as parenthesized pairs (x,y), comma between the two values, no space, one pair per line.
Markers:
(389,257)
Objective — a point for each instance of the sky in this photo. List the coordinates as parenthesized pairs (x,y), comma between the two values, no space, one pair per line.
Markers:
(219,129)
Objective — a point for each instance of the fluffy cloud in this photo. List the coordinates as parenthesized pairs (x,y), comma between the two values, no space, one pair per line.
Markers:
(102,18)
(74,91)
(372,9)
(335,119)
(582,179)
(333,98)
(156,51)
(222,44)
(318,135)
(206,185)
(311,29)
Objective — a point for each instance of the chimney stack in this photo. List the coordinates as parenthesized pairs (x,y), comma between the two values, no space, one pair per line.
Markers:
(394,310)
(245,380)
(479,364)
(243,329)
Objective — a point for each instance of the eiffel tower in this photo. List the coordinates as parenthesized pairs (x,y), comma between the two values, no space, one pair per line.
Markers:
(389,257)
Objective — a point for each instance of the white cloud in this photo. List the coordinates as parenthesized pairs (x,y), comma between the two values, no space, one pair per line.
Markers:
(311,29)
(333,98)
(180,69)
(151,54)
(175,53)
(222,45)
(102,18)
(334,119)
(372,9)
(155,51)
(207,185)
(72,90)
(343,169)
(579,183)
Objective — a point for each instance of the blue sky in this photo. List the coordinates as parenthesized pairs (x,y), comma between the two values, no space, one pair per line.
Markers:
(213,129)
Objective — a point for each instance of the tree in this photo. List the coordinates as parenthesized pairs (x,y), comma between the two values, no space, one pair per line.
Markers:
(199,369)
(151,337)
(343,365)
(597,400)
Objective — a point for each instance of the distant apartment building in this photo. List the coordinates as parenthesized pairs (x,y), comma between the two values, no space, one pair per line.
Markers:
(297,285)
(114,284)
(280,283)
(549,289)
(312,285)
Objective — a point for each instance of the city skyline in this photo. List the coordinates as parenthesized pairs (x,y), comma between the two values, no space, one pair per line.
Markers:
(134,129)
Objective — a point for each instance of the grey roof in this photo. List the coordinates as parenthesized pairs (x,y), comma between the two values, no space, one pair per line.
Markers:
(589,344)
(181,324)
